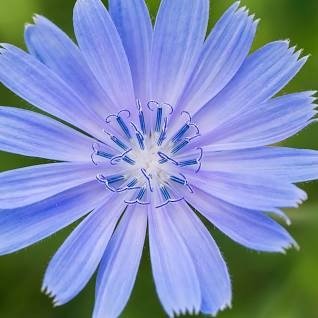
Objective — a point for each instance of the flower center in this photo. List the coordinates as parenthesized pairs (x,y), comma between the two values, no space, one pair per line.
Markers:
(147,159)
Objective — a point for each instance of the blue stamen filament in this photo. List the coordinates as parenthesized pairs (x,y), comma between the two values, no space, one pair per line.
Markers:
(139,136)
(180,133)
(142,122)
(129,160)
(116,159)
(124,127)
(104,154)
(117,141)
(190,162)
(132,183)
(179,146)
(165,192)
(163,133)
(178,180)
(158,119)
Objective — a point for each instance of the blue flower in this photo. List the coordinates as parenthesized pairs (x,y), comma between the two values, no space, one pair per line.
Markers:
(157,123)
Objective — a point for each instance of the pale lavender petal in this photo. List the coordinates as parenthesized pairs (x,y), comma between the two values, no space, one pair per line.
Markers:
(119,267)
(178,39)
(36,83)
(77,259)
(222,55)
(21,187)
(268,123)
(263,74)
(30,134)
(27,225)
(215,283)
(285,164)
(135,29)
(103,50)
(261,193)
(54,48)
(173,268)
(250,228)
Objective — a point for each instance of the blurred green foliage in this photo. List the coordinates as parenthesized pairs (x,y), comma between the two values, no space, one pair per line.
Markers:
(264,285)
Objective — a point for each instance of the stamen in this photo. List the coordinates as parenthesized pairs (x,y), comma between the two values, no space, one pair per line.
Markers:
(179,146)
(115,160)
(104,154)
(107,181)
(98,152)
(160,113)
(165,158)
(178,180)
(117,141)
(121,122)
(160,105)
(139,197)
(141,193)
(125,111)
(199,159)
(142,122)
(158,119)
(169,201)
(183,130)
(180,133)
(183,181)
(182,144)
(190,162)
(140,137)
(124,127)
(152,102)
(167,197)
(201,153)
(141,117)
(148,178)
(189,116)
(163,133)
(131,185)
(186,183)
(115,178)
(129,160)
(165,192)
(193,162)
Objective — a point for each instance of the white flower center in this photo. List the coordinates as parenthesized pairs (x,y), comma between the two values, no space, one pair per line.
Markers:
(147,159)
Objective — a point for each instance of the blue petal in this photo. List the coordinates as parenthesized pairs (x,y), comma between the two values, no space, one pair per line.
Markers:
(36,83)
(285,164)
(27,225)
(178,38)
(55,49)
(251,192)
(262,75)
(21,187)
(173,268)
(134,26)
(100,44)
(31,134)
(250,228)
(264,124)
(118,270)
(222,55)
(77,259)
(212,272)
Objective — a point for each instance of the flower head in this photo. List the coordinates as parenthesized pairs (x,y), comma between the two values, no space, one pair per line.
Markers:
(158,123)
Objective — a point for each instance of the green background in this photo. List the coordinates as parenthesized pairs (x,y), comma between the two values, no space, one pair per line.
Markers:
(264,285)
